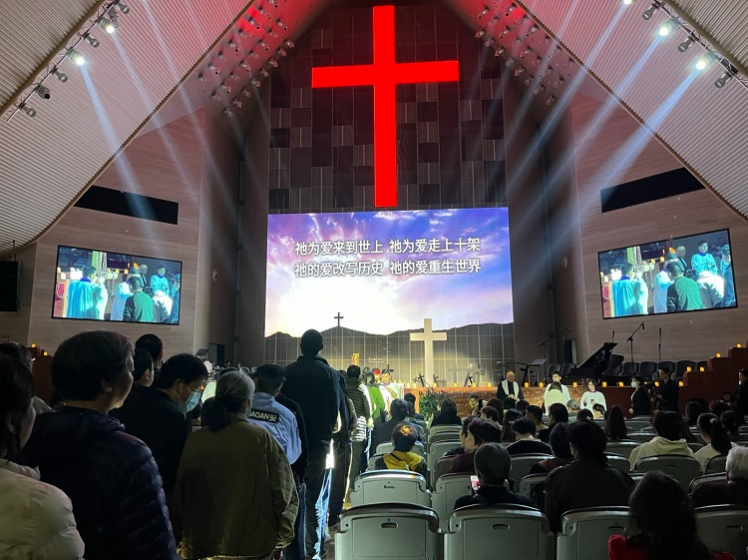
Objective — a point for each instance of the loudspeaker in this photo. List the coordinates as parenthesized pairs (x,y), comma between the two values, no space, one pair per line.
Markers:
(10,294)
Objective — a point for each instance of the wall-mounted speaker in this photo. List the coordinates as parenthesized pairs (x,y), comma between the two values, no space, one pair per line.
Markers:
(10,293)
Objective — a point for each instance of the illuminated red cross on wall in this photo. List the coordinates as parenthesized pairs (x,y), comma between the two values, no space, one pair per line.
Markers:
(384,74)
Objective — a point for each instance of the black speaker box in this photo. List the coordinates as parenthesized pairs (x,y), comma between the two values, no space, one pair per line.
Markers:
(9,286)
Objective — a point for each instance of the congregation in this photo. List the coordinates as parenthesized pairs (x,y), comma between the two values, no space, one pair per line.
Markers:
(143,457)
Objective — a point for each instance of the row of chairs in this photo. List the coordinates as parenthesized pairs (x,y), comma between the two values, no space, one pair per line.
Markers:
(509,532)
(646,368)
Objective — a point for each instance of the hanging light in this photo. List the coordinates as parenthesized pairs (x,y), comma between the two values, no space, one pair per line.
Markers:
(43,92)
(124,8)
(91,40)
(246,93)
(59,74)
(667,27)
(551,100)
(289,43)
(722,80)
(106,24)
(685,45)
(649,12)
(76,57)
(30,111)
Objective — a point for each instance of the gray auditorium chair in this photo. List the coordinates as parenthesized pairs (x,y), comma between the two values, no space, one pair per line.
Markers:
(623,448)
(683,365)
(448,488)
(402,531)
(647,369)
(638,425)
(437,450)
(716,465)
(630,369)
(618,461)
(533,486)
(509,532)
(724,528)
(640,437)
(683,468)
(695,445)
(372,464)
(390,486)
(522,463)
(671,366)
(699,480)
(585,532)
(387,446)
(443,436)
(443,464)
(454,429)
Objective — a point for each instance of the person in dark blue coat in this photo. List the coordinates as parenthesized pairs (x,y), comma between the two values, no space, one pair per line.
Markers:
(110,476)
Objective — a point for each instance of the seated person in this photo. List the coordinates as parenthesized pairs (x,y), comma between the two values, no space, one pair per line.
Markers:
(584,414)
(463,434)
(510,417)
(490,413)
(731,423)
(615,424)
(659,510)
(559,441)
(557,414)
(411,400)
(402,458)
(522,405)
(398,413)
(732,490)
(693,411)
(492,465)
(535,414)
(588,481)
(475,403)
(497,404)
(668,441)
(556,378)
(554,394)
(479,432)
(716,440)
(447,414)
(524,439)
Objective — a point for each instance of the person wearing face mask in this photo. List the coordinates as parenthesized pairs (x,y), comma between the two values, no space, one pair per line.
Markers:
(640,405)
(110,476)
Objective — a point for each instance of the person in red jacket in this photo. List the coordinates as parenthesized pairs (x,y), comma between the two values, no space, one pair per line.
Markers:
(660,510)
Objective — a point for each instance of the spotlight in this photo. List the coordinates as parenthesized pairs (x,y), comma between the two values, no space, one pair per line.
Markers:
(272,33)
(519,71)
(282,52)
(545,40)
(225,87)
(509,62)
(538,90)
(289,43)
(246,93)
(263,44)
(43,92)
(649,12)
(480,33)
(227,112)
(202,78)
(76,57)
(490,42)
(628,2)
(273,3)
(221,55)
(213,68)
(255,82)
(217,98)
(272,62)
(511,8)
(280,23)
(261,11)
(243,34)
(495,18)
(253,54)
(537,61)
(703,63)
(112,13)
(124,8)
(506,31)
(236,103)
(517,41)
(265,73)
(106,24)
(244,65)
(484,12)
(723,79)
(525,52)
(59,74)
(30,111)
(91,40)
(550,101)
(685,45)
(534,28)
(234,77)
(252,21)
(528,80)
(667,27)
(558,82)
(498,52)
(232,44)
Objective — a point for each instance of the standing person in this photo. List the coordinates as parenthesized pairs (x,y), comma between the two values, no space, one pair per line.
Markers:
(21,353)
(680,254)
(629,293)
(176,297)
(84,295)
(160,283)
(139,306)
(703,260)
(592,396)
(361,437)
(142,376)
(121,293)
(729,298)
(662,282)
(342,444)
(386,388)
(683,294)
(556,378)
(159,419)
(668,390)
(377,401)
(110,476)
(267,413)
(640,405)
(311,382)
(740,406)
(235,494)
(509,388)
(37,518)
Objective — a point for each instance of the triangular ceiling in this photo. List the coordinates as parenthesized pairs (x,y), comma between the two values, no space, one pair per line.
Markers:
(49,160)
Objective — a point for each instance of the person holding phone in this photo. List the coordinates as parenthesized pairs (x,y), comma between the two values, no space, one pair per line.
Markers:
(592,396)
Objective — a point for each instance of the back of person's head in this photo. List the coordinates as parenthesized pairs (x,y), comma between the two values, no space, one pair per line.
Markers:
(353,371)
(152,344)
(497,404)
(585,414)
(737,464)
(522,405)
(718,407)
(465,425)
(510,417)
(233,393)
(557,412)
(404,437)
(667,424)
(572,404)
(448,407)
(411,408)
(665,405)
(555,386)
(693,410)
(559,441)
(399,409)
(269,378)
(711,426)
(311,343)
(16,393)
(524,426)
(184,367)
(534,413)
(18,352)
(730,422)
(85,360)
(588,439)
(411,398)
(484,431)
(492,464)
(508,403)
(143,362)
(491,414)
(615,425)
(660,509)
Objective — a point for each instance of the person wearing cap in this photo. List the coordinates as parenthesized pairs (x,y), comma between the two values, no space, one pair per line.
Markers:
(235,494)
(640,405)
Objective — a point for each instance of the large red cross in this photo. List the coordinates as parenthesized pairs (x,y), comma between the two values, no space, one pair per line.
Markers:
(384,74)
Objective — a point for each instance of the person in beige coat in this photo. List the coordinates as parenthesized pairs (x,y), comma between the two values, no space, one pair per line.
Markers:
(36,519)
(235,494)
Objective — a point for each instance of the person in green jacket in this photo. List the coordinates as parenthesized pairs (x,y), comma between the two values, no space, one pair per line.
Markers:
(377,400)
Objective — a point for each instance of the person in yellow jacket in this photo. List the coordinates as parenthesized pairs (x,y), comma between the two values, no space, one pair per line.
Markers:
(401,457)
(235,494)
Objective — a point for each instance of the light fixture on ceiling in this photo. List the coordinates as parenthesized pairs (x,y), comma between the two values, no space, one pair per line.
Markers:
(91,40)
(234,77)
(511,8)
(649,12)
(265,73)
(525,52)
(289,43)
(538,90)
(246,93)
(703,62)
(113,17)
(667,27)
(225,87)
(215,97)
(30,111)
(221,55)
(106,24)
(519,71)
(685,45)
(236,102)
(506,31)
(509,62)
(244,65)
(723,79)
(76,57)
(253,54)
(517,41)
(628,2)
(545,40)
(499,51)
(494,19)
(43,91)
(233,44)
(279,23)
(272,62)
(263,44)
(213,68)
(480,33)
(537,61)
(551,100)
(484,12)
(262,11)
(282,52)
(528,80)
(59,74)
(490,42)
(272,33)
(243,34)
(253,22)
(273,3)
(227,112)
(533,28)
(124,8)
(255,82)
(556,83)
(202,78)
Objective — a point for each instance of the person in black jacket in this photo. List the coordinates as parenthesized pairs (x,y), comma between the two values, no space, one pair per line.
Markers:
(156,415)
(740,406)
(398,413)
(640,405)
(311,382)
(447,414)
(110,476)
(668,390)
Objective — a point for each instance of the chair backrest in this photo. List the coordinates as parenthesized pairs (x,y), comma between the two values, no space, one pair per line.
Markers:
(388,446)
(392,486)
(671,366)
(372,464)
(630,369)
(388,531)
(533,486)
(566,369)
(638,425)
(681,467)
(623,448)
(585,532)
(440,429)
(641,437)
(699,480)
(498,533)
(647,369)
(618,461)
(522,463)
(682,365)
(448,488)
(716,465)
(702,364)
(443,464)
(444,436)
(695,446)
(724,528)
(437,450)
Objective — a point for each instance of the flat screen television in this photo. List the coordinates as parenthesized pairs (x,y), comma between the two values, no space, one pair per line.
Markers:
(683,274)
(98,285)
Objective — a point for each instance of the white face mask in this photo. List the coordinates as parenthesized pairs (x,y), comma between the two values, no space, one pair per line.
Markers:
(635,384)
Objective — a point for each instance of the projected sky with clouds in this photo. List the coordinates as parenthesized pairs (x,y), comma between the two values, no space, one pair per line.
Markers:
(388,271)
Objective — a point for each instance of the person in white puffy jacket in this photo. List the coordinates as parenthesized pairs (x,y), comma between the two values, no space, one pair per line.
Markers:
(36,518)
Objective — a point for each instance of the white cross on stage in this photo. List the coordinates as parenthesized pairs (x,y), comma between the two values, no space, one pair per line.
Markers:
(428,337)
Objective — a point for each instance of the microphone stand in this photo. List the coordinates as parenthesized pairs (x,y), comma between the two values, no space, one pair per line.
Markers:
(630,339)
